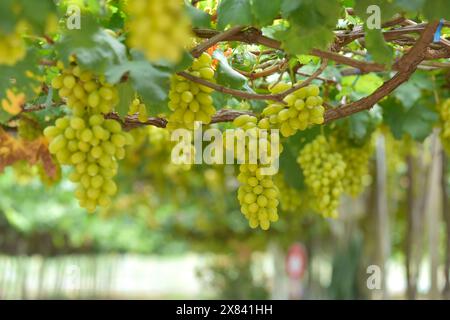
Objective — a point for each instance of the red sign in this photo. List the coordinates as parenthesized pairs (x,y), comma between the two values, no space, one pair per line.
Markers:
(296,261)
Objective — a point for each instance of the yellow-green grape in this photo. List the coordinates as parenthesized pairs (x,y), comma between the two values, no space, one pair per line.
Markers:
(357,165)
(12,46)
(444,112)
(161,29)
(191,101)
(324,171)
(258,196)
(84,91)
(134,106)
(143,116)
(302,108)
(290,198)
(92,146)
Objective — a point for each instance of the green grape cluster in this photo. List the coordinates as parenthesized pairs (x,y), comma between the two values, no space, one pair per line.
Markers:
(302,109)
(82,88)
(92,145)
(12,46)
(190,101)
(357,165)
(444,112)
(138,108)
(324,170)
(290,198)
(161,29)
(258,196)
(252,129)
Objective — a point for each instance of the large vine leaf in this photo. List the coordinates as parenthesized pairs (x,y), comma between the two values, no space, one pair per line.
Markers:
(225,74)
(417,121)
(94,48)
(377,47)
(234,12)
(265,11)
(199,18)
(151,82)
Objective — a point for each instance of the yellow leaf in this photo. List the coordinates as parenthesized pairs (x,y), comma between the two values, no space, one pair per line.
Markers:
(13,104)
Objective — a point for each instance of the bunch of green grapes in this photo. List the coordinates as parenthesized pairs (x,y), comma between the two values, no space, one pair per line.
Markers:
(84,90)
(190,101)
(161,29)
(302,109)
(444,112)
(324,171)
(258,196)
(12,45)
(92,145)
(28,129)
(357,165)
(138,108)
(290,198)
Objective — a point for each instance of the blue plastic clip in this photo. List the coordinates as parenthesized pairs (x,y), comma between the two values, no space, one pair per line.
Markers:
(437,34)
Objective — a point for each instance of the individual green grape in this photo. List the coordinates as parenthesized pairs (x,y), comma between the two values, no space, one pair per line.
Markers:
(190,101)
(324,170)
(258,196)
(161,29)
(84,91)
(302,108)
(12,46)
(92,146)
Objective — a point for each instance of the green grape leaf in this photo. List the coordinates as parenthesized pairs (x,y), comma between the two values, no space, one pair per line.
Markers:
(360,126)
(151,82)
(126,94)
(95,49)
(234,12)
(365,84)
(387,9)
(377,47)
(199,18)
(288,6)
(226,75)
(297,40)
(436,9)
(16,76)
(292,172)
(410,5)
(34,12)
(417,121)
(265,11)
